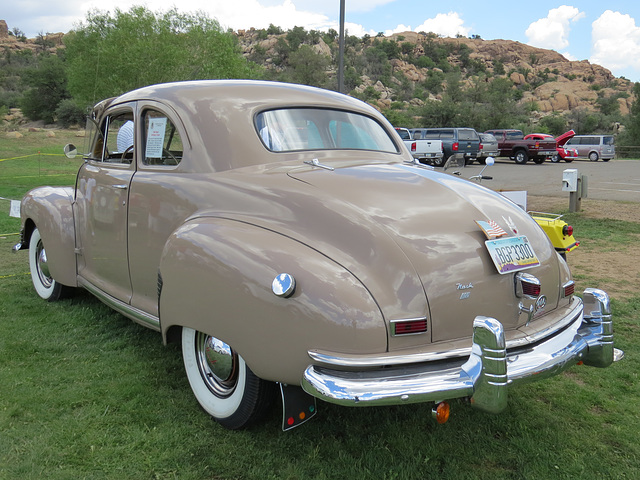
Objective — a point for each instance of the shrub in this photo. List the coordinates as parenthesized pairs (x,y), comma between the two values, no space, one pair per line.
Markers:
(69,113)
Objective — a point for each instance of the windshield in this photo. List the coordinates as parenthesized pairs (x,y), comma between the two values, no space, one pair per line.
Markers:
(293,129)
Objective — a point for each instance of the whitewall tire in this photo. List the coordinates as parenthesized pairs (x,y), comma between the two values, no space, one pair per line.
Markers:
(221,381)
(42,280)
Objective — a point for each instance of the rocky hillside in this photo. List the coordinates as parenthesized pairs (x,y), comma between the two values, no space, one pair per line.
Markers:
(48,41)
(546,78)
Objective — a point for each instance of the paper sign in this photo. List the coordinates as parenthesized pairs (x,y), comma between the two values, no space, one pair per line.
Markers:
(15,209)
(155,137)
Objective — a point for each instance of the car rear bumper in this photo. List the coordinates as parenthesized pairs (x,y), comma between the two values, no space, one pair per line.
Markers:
(485,374)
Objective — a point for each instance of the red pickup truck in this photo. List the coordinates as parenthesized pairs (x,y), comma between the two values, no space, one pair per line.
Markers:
(512,144)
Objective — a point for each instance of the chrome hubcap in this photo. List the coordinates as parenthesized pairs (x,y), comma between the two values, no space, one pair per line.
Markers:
(43,266)
(218,364)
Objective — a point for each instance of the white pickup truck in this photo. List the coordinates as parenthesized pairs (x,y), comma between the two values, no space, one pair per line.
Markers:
(425,151)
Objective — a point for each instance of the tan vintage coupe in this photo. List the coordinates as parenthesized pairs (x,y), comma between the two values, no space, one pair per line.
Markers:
(286,237)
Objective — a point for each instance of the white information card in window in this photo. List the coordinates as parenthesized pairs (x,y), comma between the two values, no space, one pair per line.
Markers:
(155,137)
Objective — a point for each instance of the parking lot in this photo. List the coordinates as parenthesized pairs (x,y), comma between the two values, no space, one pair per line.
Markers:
(614,180)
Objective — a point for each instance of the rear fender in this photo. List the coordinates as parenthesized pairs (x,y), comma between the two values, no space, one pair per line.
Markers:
(50,209)
(217,275)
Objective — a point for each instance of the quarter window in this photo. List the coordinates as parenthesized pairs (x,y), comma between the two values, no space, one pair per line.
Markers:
(162,140)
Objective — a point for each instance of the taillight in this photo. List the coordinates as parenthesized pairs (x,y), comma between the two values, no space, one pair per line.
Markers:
(527,286)
(530,289)
(568,288)
(567,230)
(409,327)
(480,146)
(413,147)
(455,147)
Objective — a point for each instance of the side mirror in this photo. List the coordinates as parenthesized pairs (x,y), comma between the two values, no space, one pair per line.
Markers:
(70,150)
(490,161)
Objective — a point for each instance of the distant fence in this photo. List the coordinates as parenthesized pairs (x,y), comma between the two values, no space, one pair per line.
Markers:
(632,151)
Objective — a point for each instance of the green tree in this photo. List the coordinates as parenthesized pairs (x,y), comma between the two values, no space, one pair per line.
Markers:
(309,67)
(631,134)
(555,124)
(48,88)
(111,54)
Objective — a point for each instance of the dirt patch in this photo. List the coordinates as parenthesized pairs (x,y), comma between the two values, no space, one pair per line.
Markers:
(627,211)
(617,270)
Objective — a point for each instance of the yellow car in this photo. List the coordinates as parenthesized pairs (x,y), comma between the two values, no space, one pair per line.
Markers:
(559,232)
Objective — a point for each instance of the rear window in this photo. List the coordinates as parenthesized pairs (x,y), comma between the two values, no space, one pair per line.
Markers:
(608,140)
(294,129)
(438,134)
(467,135)
(515,135)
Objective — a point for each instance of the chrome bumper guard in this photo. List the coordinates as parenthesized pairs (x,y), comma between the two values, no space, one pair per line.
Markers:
(485,374)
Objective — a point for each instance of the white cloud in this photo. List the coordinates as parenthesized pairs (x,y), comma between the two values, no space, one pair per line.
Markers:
(553,30)
(445,24)
(616,41)
(398,29)
(569,56)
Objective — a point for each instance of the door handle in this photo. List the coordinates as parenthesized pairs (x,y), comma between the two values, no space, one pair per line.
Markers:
(121,186)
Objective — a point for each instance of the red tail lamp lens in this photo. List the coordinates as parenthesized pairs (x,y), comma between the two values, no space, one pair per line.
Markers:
(407,327)
(455,146)
(569,289)
(531,289)
(567,230)
(413,147)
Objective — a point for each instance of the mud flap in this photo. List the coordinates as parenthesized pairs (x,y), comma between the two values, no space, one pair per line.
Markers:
(297,406)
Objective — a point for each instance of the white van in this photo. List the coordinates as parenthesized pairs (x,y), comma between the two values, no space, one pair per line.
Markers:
(592,147)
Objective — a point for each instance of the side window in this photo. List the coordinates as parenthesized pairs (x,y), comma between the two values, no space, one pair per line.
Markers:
(119,133)
(162,141)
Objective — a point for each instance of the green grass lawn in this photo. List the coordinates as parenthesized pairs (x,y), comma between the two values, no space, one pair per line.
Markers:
(86,393)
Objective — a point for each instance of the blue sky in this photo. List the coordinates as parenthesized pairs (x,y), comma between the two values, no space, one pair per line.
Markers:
(606,33)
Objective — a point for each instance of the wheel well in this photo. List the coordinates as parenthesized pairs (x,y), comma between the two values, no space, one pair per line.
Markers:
(29,227)
(173,335)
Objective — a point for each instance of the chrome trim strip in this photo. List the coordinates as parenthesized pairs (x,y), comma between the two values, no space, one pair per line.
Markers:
(389,359)
(135,314)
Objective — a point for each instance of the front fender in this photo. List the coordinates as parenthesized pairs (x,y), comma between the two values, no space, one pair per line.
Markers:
(216,277)
(50,209)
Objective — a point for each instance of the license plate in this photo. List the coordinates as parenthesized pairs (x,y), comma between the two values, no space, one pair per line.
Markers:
(511,254)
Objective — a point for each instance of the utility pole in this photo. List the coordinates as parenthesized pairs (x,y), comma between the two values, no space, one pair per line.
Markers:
(341,50)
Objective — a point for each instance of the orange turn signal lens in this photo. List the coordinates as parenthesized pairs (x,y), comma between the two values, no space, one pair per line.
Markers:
(441,412)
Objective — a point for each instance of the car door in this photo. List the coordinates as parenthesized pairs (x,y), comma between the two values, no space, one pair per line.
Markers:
(101,206)
(159,198)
